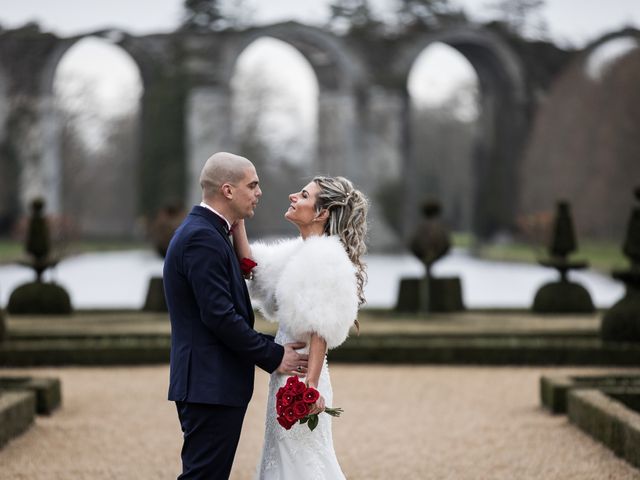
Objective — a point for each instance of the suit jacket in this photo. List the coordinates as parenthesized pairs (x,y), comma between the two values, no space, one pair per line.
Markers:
(213,344)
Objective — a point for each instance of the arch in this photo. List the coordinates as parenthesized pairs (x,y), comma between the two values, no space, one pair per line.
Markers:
(484,50)
(443,116)
(607,50)
(296,80)
(625,32)
(335,66)
(340,74)
(115,37)
(275,114)
(502,122)
(55,172)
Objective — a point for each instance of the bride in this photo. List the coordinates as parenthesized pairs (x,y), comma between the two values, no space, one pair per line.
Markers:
(312,285)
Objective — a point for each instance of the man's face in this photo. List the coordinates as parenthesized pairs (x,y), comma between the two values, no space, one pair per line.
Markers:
(246,194)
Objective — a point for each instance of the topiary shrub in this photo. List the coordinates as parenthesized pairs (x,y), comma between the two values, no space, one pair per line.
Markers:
(563,297)
(39,298)
(161,230)
(621,323)
(155,301)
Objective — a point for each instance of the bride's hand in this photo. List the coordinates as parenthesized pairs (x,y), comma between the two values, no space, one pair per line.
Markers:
(317,407)
(237,227)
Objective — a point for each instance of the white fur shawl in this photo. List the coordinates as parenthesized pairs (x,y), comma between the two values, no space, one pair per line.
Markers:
(308,286)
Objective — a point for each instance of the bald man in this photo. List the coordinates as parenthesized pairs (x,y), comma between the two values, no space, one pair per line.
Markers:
(213,344)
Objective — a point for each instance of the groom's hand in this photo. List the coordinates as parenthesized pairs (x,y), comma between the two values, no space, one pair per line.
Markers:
(294,363)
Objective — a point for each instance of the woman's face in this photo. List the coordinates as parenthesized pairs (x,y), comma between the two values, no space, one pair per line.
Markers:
(302,210)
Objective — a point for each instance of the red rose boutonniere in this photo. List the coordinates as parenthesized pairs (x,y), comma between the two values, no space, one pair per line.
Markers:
(247,265)
(293,403)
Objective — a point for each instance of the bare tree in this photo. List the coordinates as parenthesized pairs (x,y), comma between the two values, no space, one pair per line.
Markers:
(521,16)
(99,156)
(216,14)
(350,16)
(427,13)
(262,113)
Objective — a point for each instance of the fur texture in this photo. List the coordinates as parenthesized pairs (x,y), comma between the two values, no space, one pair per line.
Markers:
(308,286)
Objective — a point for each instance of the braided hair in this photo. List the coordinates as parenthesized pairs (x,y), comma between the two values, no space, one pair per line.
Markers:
(347,209)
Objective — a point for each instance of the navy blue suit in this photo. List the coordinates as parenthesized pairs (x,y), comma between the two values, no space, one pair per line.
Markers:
(213,344)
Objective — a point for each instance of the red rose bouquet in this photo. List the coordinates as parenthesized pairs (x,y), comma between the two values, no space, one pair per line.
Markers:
(294,401)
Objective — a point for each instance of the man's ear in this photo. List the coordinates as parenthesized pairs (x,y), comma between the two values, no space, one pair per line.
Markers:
(227,191)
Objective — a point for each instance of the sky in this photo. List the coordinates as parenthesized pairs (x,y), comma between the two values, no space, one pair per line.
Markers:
(573,22)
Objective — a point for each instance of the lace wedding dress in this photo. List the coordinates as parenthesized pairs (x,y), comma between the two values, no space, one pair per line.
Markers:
(304,286)
(298,453)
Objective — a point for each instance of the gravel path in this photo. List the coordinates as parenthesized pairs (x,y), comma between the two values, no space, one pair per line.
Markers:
(423,422)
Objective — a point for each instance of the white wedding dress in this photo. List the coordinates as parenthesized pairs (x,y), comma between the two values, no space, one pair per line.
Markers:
(305,286)
(298,453)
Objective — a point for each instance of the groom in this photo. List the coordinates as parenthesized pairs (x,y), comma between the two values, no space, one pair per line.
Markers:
(213,344)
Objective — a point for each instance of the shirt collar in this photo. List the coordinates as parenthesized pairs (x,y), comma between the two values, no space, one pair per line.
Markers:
(202,204)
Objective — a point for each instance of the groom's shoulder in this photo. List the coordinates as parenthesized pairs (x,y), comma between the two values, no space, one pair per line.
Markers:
(197,225)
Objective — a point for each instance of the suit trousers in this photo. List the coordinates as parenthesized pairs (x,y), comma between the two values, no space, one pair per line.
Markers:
(210,439)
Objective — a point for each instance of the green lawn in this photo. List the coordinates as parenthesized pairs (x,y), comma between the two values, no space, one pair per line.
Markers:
(601,255)
(11,250)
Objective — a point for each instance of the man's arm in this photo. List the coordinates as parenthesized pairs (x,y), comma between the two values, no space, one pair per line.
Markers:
(207,269)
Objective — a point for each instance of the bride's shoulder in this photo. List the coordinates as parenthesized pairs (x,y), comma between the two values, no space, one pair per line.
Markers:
(317,291)
(325,251)
(321,261)
(274,250)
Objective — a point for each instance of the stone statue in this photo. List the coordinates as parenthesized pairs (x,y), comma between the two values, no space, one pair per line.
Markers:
(430,242)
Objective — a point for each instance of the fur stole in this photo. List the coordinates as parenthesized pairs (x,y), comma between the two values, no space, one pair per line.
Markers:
(308,286)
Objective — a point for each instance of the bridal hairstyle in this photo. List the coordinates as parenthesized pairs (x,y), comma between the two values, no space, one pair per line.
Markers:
(347,208)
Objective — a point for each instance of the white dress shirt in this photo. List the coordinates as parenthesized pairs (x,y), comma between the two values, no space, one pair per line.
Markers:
(202,204)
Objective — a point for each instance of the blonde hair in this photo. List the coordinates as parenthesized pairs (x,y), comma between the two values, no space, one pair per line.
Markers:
(347,209)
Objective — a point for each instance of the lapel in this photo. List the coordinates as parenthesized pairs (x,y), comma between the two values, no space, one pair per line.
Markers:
(220,225)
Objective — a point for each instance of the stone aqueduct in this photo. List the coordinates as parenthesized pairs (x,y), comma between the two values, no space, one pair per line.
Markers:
(362,108)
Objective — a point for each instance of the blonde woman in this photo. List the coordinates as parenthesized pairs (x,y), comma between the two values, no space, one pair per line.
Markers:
(312,286)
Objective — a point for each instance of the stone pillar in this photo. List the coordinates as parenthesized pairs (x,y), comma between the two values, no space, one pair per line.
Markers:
(8,197)
(208,123)
(382,163)
(4,107)
(384,134)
